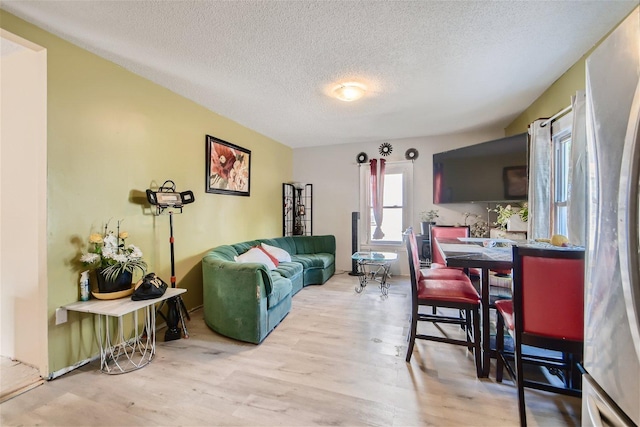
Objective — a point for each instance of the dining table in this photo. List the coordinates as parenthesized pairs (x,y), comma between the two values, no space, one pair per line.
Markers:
(485,254)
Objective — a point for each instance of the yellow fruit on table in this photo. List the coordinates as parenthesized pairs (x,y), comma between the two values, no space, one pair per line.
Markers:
(559,240)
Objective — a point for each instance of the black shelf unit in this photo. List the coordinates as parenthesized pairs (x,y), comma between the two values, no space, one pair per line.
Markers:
(297,209)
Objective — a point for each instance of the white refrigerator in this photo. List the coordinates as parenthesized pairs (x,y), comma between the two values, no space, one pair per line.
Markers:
(611,385)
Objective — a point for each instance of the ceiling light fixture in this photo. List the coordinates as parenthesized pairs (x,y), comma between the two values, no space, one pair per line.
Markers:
(348,92)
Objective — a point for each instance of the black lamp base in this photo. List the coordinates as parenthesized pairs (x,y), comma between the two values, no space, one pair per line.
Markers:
(172,332)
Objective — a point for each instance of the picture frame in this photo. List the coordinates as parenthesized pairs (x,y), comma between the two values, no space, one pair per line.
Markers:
(516,182)
(227,168)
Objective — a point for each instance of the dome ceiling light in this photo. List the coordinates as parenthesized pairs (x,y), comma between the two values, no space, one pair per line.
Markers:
(350,91)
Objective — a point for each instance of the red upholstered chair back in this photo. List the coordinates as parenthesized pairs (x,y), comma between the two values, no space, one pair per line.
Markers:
(445,231)
(414,258)
(549,289)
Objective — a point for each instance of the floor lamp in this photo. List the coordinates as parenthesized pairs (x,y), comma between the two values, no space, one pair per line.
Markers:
(169,202)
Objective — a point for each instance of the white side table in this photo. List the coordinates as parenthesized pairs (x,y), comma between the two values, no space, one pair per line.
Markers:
(117,353)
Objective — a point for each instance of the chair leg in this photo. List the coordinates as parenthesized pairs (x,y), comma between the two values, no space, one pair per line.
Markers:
(412,335)
(476,340)
(575,375)
(499,347)
(468,330)
(520,380)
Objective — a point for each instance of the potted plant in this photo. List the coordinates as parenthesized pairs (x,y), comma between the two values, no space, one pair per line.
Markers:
(113,262)
(427,218)
(477,226)
(510,219)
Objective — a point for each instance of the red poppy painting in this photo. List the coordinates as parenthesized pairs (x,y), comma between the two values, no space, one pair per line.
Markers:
(228,168)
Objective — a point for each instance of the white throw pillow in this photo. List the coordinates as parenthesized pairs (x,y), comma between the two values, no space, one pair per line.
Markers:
(279,254)
(256,255)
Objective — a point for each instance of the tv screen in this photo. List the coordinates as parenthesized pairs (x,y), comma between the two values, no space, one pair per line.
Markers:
(492,171)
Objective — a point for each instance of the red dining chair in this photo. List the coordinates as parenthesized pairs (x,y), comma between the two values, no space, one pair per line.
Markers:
(447,293)
(451,232)
(546,312)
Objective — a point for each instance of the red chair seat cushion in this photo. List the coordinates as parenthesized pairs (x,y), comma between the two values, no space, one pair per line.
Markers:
(443,274)
(457,291)
(472,271)
(505,307)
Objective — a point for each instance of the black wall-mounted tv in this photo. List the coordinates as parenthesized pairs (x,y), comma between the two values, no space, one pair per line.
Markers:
(492,171)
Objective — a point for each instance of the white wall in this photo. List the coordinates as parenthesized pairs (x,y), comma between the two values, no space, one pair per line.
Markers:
(23,204)
(333,171)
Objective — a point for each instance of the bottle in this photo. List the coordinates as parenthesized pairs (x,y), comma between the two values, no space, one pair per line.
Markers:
(84,286)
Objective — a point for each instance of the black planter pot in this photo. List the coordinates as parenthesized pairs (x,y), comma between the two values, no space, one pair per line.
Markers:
(426,227)
(121,283)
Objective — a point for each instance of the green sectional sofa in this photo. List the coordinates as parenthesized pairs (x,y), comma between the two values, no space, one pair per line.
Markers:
(246,301)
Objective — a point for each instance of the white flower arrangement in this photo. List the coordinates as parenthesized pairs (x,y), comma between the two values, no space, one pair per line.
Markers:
(108,253)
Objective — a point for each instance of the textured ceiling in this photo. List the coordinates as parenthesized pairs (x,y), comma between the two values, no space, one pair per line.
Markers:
(432,67)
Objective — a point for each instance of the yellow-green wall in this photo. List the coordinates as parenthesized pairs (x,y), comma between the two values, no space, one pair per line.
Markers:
(111,135)
(558,95)
(554,99)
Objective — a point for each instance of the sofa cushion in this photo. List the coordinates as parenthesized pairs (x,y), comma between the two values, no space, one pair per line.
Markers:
(280,290)
(314,260)
(256,255)
(245,246)
(279,253)
(287,243)
(273,259)
(289,269)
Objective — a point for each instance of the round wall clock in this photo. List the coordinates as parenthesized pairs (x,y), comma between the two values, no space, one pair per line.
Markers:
(385,149)
(362,157)
(411,154)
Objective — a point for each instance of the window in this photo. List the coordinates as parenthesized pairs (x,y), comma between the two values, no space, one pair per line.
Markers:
(561,139)
(396,217)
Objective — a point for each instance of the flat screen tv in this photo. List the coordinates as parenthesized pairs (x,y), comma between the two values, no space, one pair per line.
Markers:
(492,171)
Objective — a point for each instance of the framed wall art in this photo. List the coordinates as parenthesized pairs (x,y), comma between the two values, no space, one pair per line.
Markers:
(516,182)
(228,168)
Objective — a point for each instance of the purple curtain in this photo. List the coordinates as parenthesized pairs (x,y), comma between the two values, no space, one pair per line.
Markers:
(377,193)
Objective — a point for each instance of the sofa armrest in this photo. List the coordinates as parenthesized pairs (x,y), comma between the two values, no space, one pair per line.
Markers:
(235,298)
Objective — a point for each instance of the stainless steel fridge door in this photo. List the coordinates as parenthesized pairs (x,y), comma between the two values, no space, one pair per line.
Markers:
(598,410)
(629,221)
(610,350)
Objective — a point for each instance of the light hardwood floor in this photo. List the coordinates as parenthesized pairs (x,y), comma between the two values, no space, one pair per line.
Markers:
(336,359)
(16,378)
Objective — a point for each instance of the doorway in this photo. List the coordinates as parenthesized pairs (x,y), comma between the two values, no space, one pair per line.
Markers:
(23,203)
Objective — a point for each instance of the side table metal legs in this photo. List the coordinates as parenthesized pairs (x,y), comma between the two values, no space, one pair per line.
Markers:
(119,354)
(379,274)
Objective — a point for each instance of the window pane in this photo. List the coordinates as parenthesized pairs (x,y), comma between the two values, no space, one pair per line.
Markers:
(561,183)
(561,226)
(391,225)
(393,190)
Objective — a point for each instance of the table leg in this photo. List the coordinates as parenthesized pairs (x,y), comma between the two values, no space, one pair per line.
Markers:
(362,277)
(384,287)
(486,329)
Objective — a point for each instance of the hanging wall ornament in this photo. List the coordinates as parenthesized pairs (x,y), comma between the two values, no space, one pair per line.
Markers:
(411,154)
(362,157)
(385,149)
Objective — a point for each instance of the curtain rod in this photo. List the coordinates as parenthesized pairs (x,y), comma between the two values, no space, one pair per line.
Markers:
(556,116)
(388,162)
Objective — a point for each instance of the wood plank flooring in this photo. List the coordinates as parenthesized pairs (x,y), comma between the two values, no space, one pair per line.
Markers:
(16,378)
(336,359)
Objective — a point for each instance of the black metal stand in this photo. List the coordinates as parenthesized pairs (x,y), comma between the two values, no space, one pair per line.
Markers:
(176,311)
(355,216)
